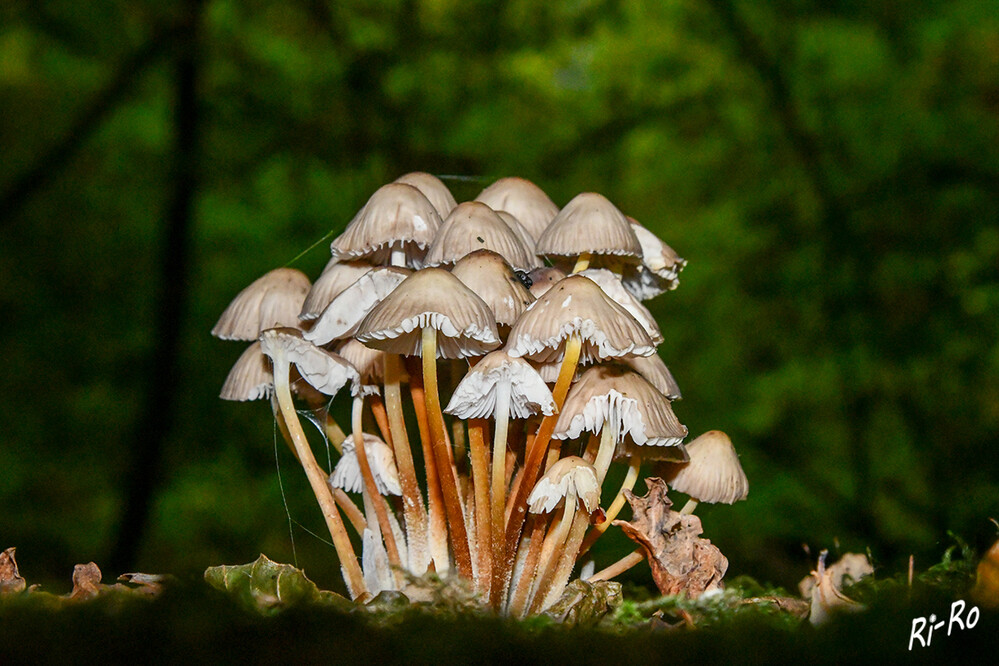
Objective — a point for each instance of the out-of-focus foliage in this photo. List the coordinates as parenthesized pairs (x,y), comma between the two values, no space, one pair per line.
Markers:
(831,171)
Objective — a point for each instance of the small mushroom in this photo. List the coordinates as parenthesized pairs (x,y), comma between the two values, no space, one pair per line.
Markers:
(337,276)
(433,189)
(713,473)
(475,226)
(589,226)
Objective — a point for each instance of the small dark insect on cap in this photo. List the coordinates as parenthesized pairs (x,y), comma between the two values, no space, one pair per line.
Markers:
(524,278)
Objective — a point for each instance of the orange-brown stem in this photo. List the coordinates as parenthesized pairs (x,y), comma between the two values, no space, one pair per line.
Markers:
(438,522)
(480,479)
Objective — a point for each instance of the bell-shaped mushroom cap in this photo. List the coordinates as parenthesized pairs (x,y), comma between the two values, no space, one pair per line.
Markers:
(576,305)
(475,395)
(524,200)
(612,286)
(322,369)
(522,233)
(489,276)
(270,301)
(431,297)
(713,474)
(336,277)
(250,378)
(347,473)
(589,224)
(542,279)
(569,478)
(659,269)
(475,226)
(653,369)
(609,396)
(433,189)
(396,216)
(370,363)
(344,313)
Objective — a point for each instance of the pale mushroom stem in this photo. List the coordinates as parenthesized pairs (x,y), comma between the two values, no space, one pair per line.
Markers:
(556,537)
(449,485)
(381,418)
(480,479)
(689,507)
(412,501)
(354,515)
(353,575)
(582,263)
(371,488)
(518,602)
(570,552)
(619,567)
(498,487)
(435,500)
(615,508)
(536,454)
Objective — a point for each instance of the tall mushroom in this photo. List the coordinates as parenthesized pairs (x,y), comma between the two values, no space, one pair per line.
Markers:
(498,386)
(326,373)
(590,226)
(429,302)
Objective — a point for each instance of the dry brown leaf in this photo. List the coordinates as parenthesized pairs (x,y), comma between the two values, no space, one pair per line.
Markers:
(681,561)
(86,581)
(10,580)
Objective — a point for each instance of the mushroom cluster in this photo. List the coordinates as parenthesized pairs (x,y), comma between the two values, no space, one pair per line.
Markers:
(529,321)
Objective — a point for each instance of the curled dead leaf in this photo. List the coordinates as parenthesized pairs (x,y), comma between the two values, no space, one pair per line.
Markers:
(86,581)
(847,570)
(10,580)
(827,598)
(681,561)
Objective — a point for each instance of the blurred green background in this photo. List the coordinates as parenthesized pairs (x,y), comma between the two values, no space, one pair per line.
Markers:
(830,171)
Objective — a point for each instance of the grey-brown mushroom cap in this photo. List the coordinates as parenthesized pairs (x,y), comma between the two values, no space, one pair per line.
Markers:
(613,287)
(613,396)
(714,474)
(654,369)
(488,275)
(569,478)
(544,278)
(431,297)
(250,377)
(336,277)
(433,189)
(475,395)
(344,313)
(475,226)
(522,233)
(322,369)
(369,363)
(397,216)
(270,301)
(577,306)
(659,270)
(524,200)
(589,224)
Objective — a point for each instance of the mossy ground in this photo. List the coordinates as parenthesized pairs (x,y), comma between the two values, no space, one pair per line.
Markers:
(192,622)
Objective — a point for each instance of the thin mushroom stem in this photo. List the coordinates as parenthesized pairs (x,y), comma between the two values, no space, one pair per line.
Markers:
(555,538)
(619,567)
(536,454)
(498,487)
(566,563)
(449,485)
(381,418)
(615,508)
(438,522)
(582,263)
(353,575)
(480,480)
(412,500)
(371,489)
(518,602)
(689,507)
